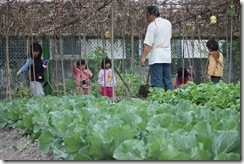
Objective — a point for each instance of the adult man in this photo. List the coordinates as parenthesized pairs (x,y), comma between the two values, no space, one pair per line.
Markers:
(157,49)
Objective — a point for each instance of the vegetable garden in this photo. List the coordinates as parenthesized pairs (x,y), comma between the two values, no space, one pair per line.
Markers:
(193,122)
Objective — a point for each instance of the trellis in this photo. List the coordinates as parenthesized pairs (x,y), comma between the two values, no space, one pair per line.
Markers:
(56,19)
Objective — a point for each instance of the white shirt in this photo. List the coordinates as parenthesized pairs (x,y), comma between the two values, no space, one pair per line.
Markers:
(106,78)
(158,36)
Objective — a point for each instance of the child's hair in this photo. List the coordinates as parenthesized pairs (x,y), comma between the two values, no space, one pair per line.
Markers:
(36,47)
(104,62)
(212,44)
(180,73)
(81,62)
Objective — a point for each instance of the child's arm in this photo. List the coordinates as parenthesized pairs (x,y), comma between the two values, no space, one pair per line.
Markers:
(88,73)
(211,65)
(45,63)
(114,79)
(100,77)
(24,68)
(75,69)
(191,72)
(177,81)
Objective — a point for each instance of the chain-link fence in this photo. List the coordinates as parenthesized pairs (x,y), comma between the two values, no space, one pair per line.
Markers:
(125,53)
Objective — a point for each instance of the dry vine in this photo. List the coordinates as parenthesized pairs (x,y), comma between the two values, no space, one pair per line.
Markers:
(69,17)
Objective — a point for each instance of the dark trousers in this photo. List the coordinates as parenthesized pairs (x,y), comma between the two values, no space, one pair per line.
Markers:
(215,79)
(161,76)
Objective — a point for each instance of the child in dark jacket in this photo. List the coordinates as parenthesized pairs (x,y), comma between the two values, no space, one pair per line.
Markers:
(37,68)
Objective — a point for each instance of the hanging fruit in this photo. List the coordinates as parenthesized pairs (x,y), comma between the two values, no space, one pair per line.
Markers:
(107,35)
(213,20)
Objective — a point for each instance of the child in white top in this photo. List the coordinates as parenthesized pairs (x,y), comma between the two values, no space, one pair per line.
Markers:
(106,78)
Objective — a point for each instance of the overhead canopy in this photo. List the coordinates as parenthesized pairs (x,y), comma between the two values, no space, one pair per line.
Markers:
(93,17)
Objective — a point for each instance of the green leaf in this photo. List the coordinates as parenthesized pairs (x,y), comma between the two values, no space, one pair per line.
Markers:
(228,156)
(27,121)
(155,141)
(104,144)
(3,118)
(46,140)
(203,127)
(184,140)
(101,148)
(73,143)
(130,119)
(14,114)
(199,153)
(161,120)
(41,121)
(63,121)
(83,154)
(204,134)
(60,153)
(226,141)
(172,152)
(130,150)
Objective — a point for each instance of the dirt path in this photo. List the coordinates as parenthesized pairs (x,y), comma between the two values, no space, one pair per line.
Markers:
(13,146)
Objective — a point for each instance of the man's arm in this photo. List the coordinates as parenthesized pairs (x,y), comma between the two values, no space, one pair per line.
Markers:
(147,49)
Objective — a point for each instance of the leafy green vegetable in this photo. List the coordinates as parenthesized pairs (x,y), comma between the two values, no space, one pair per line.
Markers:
(130,150)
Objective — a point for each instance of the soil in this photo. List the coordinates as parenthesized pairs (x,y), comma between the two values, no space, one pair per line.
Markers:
(14,146)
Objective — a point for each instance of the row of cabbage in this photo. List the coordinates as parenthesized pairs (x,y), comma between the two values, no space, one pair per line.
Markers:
(173,125)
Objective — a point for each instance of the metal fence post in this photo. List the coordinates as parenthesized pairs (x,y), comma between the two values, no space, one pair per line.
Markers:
(46,55)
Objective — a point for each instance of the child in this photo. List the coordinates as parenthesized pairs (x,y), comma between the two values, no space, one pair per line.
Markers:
(191,73)
(215,63)
(37,69)
(106,79)
(83,76)
(186,73)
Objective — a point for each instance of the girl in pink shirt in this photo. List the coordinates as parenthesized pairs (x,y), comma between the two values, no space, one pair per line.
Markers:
(83,76)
